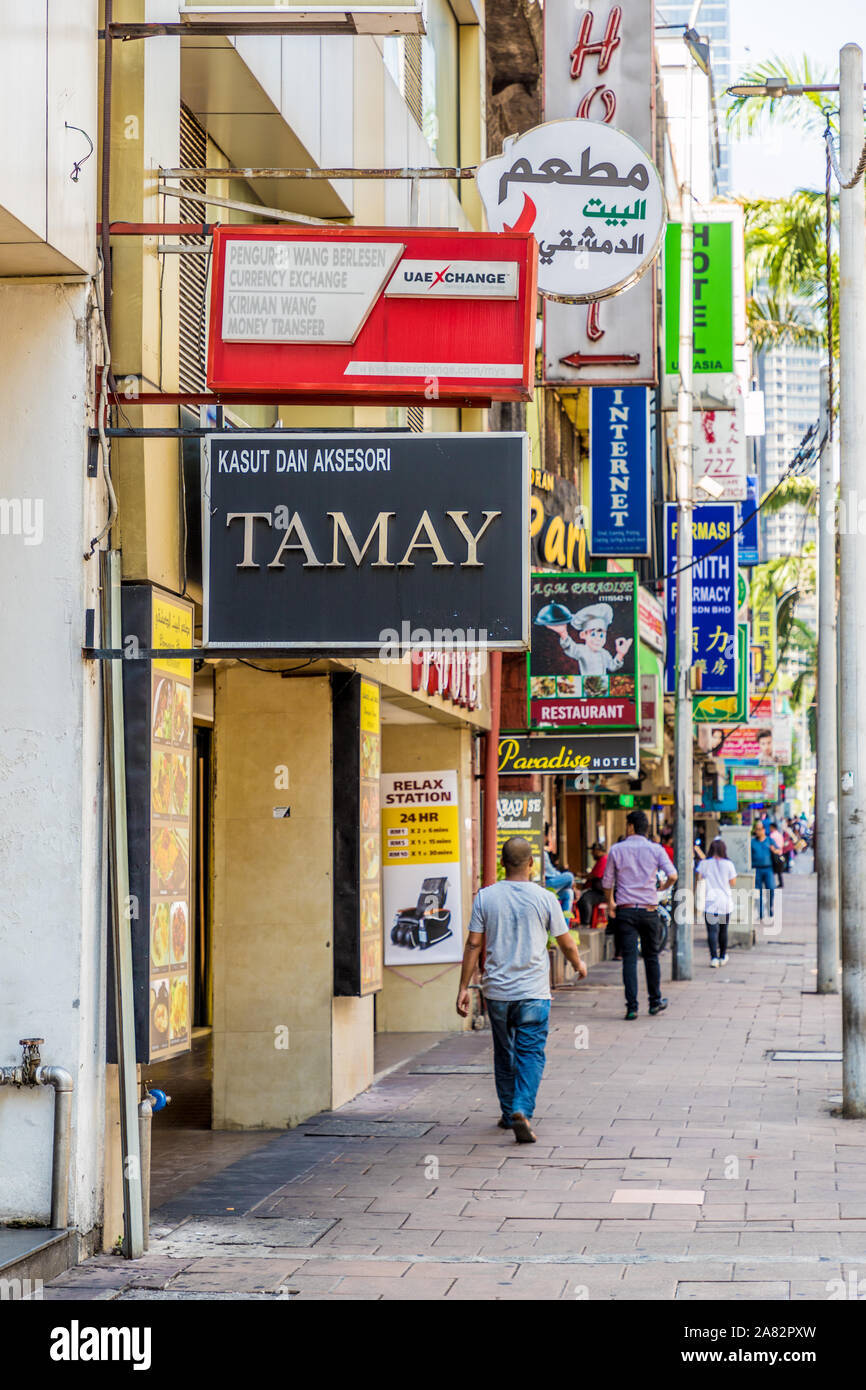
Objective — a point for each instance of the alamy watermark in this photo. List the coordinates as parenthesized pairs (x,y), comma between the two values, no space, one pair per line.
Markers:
(24,517)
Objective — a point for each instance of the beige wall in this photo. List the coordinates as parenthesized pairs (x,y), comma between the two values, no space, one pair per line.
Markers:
(403,1006)
(352,1048)
(272,944)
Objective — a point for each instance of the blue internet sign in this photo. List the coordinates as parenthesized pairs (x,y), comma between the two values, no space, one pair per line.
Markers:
(619,444)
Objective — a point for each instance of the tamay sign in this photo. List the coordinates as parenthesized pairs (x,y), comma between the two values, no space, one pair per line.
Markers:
(387,315)
(366,542)
(619,468)
(582,662)
(598,63)
(591,196)
(714,594)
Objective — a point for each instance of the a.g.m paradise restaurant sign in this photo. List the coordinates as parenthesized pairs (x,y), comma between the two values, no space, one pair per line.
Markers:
(582,659)
(523,756)
(373,543)
(372,316)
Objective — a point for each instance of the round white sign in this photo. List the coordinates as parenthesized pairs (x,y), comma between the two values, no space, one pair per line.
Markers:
(592,198)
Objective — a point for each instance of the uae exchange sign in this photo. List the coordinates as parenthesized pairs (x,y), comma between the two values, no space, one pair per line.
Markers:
(366,542)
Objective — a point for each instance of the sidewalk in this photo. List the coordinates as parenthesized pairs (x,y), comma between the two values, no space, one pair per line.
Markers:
(676,1160)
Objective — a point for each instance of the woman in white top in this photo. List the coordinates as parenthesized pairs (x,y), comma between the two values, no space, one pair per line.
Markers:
(719,875)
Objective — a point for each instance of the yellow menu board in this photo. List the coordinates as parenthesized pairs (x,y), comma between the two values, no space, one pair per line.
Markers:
(171,767)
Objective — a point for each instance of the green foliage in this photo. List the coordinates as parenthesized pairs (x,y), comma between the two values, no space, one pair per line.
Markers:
(745,115)
(797,490)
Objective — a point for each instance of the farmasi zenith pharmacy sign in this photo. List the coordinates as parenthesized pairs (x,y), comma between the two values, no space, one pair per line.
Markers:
(351,542)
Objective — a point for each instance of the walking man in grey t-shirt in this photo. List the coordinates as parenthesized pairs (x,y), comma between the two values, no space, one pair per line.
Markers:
(512,920)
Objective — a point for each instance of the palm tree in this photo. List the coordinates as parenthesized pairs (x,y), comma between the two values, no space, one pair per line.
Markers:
(808,112)
(791,264)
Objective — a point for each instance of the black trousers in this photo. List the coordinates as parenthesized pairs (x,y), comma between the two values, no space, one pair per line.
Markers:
(633,924)
(587,901)
(717,933)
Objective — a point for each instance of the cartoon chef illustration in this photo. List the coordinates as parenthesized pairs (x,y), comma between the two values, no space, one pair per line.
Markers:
(591,625)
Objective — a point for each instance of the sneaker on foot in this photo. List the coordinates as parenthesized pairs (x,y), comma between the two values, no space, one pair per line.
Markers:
(659,1007)
(631,1013)
(522,1129)
(715,963)
(724,960)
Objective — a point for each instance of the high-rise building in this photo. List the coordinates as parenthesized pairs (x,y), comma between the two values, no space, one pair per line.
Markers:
(789,377)
(714,23)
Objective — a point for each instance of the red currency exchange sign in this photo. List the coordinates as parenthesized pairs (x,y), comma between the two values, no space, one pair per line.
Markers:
(385,315)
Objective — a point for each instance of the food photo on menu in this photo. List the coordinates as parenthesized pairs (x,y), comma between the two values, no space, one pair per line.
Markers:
(163,710)
(179,933)
(159,935)
(159,1018)
(170,859)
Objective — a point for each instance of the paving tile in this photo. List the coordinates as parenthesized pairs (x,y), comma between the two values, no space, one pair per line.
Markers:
(771,1289)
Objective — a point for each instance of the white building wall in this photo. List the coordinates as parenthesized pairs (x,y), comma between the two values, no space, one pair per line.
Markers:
(48,83)
(51,916)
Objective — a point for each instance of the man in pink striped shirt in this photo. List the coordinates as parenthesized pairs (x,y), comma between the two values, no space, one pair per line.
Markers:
(631,881)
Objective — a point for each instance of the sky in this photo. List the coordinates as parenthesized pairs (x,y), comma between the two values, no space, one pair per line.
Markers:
(784,158)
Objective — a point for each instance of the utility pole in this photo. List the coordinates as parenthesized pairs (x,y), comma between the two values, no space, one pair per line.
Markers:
(684,742)
(852,608)
(827,763)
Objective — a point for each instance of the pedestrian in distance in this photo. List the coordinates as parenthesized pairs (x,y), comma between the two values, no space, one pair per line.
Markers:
(719,876)
(561,881)
(630,880)
(777,853)
(512,919)
(593,893)
(762,864)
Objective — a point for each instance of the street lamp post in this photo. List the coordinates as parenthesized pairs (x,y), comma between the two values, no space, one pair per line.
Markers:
(826,768)
(852,610)
(684,737)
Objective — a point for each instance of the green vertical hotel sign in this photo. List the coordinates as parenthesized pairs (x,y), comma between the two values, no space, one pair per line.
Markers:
(713,301)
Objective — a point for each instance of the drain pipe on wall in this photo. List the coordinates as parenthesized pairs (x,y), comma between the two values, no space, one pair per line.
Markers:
(32,1073)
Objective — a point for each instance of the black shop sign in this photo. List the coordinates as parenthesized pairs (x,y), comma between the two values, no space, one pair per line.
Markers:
(365,542)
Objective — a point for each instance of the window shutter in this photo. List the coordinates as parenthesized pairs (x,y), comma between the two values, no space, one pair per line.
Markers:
(192,370)
(412,84)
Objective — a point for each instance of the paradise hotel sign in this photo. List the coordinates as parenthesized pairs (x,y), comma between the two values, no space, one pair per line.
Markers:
(365,542)
(523,755)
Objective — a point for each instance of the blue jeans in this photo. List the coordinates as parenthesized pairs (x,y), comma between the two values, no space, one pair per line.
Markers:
(563,887)
(764,879)
(519,1028)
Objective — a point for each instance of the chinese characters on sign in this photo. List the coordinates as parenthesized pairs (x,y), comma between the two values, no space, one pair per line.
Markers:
(714,577)
(582,660)
(620,470)
(720,450)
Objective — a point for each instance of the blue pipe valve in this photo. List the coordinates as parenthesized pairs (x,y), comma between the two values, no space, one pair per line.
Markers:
(159,1098)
